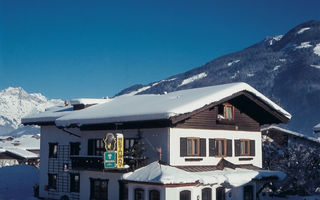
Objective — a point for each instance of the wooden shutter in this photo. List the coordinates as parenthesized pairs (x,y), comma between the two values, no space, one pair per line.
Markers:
(237,147)
(203,147)
(91,143)
(252,148)
(229,148)
(183,147)
(212,147)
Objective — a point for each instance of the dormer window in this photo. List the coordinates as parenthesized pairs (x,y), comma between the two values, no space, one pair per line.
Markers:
(226,111)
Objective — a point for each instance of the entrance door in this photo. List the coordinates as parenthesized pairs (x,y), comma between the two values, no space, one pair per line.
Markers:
(248,192)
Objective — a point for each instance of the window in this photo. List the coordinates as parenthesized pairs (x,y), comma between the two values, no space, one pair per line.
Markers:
(220,193)
(52,181)
(123,190)
(226,111)
(206,194)
(185,195)
(244,147)
(98,189)
(74,148)
(193,147)
(96,147)
(221,147)
(129,143)
(74,182)
(138,194)
(248,192)
(53,150)
(154,195)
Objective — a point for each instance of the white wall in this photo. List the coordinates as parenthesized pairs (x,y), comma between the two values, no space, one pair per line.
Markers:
(177,133)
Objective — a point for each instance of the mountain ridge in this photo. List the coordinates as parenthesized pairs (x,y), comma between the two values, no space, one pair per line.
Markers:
(16,103)
(286,68)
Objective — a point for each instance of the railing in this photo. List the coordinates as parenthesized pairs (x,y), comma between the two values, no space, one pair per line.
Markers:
(91,163)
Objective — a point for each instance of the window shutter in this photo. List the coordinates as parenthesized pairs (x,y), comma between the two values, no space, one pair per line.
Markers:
(229,148)
(237,147)
(252,148)
(203,147)
(91,143)
(183,147)
(212,147)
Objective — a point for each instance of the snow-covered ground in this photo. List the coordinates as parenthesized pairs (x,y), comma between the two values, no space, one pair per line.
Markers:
(16,182)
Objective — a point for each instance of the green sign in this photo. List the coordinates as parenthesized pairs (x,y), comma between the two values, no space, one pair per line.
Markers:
(109,159)
(109,156)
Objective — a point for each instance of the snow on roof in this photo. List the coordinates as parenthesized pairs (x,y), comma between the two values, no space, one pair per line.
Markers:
(290,133)
(316,128)
(88,101)
(49,115)
(164,174)
(22,153)
(154,107)
(30,142)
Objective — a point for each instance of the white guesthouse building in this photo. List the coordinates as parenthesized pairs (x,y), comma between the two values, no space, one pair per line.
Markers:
(208,141)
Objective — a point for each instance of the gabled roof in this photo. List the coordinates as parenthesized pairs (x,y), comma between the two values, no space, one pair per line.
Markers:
(166,106)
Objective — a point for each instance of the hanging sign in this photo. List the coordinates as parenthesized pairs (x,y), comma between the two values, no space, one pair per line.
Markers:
(113,157)
(119,150)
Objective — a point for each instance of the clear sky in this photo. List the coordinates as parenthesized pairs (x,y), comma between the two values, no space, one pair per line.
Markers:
(89,48)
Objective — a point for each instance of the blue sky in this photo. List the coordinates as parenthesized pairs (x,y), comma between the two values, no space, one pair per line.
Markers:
(69,49)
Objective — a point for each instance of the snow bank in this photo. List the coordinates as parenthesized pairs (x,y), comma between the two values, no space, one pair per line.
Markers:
(233,62)
(193,78)
(88,101)
(17,182)
(303,30)
(316,49)
(315,66)
(304,45)
(154,107)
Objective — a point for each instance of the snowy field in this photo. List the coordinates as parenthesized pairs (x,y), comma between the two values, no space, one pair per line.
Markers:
(16,182)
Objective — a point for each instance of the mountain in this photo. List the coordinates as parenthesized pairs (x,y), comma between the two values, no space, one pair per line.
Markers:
(16,103)
(286,68)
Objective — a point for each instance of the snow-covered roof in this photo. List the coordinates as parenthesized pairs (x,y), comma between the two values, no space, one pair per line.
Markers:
(154,107)
(164,174)
(290,133)
(22,153)
(49,115)
(88,101)
(316,128)
(30,142)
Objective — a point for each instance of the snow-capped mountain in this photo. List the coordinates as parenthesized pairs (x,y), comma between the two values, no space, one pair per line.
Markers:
(286,68)
(16,103)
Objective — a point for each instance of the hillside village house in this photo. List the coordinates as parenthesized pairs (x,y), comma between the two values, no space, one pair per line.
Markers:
(197,144)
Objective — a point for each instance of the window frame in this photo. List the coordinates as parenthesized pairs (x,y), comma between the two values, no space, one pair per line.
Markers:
(225,106)
(206,191)
(136,197)
(131,142)
(74,185)
(52,181)
(102,195)
(74,150)
(193,139)
(217,140)
(243,141)
(157,192)
(185,192)
(223,193)
(53,149)
(97,150)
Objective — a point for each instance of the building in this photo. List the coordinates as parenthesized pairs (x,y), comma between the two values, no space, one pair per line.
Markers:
(285,138)
(208,140)
(20,150)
